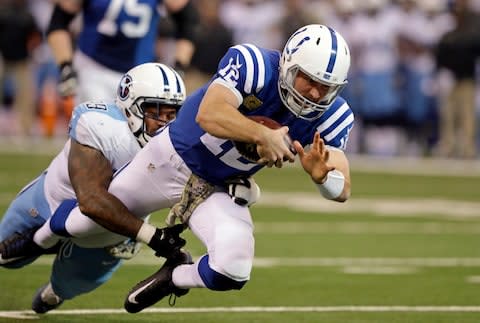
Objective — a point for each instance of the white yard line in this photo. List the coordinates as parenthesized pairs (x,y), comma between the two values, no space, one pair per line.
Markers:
(310,202)
(367,227)
(366,261)
(147,259)
(28,314)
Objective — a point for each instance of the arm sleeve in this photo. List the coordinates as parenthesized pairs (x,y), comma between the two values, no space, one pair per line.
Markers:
(60,19)
(187,21)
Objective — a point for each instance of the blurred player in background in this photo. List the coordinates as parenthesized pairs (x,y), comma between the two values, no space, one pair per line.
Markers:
(115,36)
(104,135)
(19,36)
(195,158)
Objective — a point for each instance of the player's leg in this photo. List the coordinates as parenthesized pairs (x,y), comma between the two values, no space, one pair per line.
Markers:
(226,229)
(28,211)
(69,222)
(76,271)
(153,180)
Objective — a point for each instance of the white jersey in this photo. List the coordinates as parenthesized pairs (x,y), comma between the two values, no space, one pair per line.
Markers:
(100,125)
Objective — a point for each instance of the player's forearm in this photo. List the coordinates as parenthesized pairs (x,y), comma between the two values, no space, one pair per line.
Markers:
(219,117)
(336,185)
(61,43)
(58,34)
(234,127)
(109,212)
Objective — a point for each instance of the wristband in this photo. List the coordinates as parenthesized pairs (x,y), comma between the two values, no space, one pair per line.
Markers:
(333,186)
(146,233)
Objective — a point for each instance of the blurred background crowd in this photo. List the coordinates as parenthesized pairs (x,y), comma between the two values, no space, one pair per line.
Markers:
(412,85)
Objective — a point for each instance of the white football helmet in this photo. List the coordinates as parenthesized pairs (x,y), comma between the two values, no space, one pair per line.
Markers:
(321,53)
(148,83)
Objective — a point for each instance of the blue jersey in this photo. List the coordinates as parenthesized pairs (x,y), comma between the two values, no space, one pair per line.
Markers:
(119,34)
(252,73)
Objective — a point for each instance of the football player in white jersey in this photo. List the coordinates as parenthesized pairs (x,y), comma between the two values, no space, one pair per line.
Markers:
(115,36)
(103,136)
(195,158)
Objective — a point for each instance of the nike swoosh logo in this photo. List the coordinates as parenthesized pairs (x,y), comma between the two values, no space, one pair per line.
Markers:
(132,296)
(4,261)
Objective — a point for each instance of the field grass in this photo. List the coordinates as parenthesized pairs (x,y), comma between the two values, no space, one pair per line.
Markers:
(405,250)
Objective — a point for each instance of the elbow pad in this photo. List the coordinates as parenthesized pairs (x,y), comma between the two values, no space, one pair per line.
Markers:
(186,21)
(60,19)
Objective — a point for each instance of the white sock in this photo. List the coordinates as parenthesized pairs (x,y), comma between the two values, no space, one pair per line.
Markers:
(187,276)
(44,237)
(48,295)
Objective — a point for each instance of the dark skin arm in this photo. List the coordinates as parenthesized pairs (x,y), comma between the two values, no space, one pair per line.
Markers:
(90,174)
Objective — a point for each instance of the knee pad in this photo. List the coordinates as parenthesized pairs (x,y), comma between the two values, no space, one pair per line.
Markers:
(216,281)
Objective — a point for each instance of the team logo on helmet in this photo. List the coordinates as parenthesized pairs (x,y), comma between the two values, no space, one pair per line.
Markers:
(123,87)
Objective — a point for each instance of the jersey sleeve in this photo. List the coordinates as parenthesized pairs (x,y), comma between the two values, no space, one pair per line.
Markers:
(103,127)
(242,69)
(336,124)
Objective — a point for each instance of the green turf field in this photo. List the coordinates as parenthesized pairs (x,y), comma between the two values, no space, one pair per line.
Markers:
(404,248)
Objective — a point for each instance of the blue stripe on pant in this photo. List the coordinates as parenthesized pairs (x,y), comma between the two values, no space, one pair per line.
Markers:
(214,280)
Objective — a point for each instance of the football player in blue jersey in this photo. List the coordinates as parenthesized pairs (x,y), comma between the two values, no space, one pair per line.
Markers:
(103,136)
(115,36)
(194,166)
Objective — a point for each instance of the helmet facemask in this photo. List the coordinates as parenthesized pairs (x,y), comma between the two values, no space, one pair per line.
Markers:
(299,105)
(138,115)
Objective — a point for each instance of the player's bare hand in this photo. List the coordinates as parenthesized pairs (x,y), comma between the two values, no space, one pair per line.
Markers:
(315,161)
(274,150)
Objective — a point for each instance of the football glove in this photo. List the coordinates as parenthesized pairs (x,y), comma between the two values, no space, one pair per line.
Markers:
(167,241)
(68,82)
(244,191)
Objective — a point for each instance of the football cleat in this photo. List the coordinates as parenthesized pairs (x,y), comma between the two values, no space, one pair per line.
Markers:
(20,246)
(45,300)
(152,289)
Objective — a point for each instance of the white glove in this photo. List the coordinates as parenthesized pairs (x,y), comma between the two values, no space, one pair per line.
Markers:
(244,191)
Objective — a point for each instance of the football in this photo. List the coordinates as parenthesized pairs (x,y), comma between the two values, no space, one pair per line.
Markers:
(249,150)
(266,121)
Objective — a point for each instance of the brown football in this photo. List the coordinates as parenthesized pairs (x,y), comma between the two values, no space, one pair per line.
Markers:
(266,121)
(249,150)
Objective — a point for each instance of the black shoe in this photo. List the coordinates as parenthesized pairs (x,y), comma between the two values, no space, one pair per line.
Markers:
(157,286)
(20,246)
(45,300)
